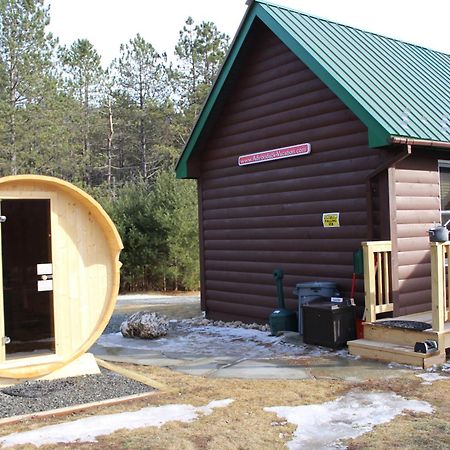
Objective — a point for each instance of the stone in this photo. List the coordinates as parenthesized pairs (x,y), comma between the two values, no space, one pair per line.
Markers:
(145,325)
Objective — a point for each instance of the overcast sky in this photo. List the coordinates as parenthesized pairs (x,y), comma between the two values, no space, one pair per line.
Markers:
(108,23)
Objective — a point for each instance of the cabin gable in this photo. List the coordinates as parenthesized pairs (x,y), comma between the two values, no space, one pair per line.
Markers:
(263,216)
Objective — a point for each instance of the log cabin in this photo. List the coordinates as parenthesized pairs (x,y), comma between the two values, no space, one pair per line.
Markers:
(317,139)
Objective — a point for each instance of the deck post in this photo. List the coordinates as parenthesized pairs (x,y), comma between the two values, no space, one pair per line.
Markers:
(369,283)
(437,286)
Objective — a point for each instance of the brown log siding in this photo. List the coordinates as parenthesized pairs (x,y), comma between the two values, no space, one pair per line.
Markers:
(417,205)
(260,217)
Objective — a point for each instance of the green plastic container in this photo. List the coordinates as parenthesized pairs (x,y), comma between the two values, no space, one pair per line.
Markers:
(358,262)
(281,319)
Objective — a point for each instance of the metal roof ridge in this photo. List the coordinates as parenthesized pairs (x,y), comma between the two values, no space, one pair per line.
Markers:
(314,16)
(380,132)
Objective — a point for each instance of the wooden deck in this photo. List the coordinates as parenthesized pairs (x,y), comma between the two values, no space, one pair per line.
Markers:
(397,344)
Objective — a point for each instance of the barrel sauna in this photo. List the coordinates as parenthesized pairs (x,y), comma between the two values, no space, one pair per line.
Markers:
(60,274)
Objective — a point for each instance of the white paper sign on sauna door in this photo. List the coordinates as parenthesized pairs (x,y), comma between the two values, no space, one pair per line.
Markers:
(44,269)
(45,285)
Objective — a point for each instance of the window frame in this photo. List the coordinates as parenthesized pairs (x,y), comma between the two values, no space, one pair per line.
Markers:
(443,163)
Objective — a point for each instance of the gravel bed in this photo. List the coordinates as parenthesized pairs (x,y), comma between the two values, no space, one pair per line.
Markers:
(117,319)
(201,321)
(35,396)
(115,322)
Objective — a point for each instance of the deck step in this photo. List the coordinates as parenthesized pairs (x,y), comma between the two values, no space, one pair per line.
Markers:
(386,351)
(402,336)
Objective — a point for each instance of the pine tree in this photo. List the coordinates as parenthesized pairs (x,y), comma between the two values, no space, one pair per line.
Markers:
(84,78)
(200,51)
(142,84)
(174,211)
(26,61)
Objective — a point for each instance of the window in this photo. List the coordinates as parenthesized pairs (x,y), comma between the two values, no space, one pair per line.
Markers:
(444,177)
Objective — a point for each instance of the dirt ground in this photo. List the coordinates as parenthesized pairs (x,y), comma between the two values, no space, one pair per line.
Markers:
(245,425)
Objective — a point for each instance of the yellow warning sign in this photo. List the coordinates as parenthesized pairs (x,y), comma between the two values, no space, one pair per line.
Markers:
(330,220)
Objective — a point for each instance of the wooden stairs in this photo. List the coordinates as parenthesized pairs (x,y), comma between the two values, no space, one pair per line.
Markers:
(397,345)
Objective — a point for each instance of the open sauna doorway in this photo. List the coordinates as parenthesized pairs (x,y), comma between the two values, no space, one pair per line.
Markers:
(27,277)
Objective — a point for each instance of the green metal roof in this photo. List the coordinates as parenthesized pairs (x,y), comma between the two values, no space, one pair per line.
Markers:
(394,88)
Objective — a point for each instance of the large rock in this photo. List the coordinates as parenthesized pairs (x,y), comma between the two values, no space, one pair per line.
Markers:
(145,325)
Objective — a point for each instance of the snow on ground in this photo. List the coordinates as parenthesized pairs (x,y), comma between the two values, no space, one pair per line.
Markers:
(324,426)
(156,299)
(88,429)
(131,297)
(394,365)
(445,367)
(429,377)
(210,341)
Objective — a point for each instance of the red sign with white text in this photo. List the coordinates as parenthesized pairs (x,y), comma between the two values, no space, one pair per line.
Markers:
(272,155)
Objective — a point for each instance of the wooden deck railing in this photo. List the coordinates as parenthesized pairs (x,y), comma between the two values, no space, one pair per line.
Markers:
(377,278)
(440,285)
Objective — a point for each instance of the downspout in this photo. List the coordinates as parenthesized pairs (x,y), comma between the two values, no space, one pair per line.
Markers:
(386,165)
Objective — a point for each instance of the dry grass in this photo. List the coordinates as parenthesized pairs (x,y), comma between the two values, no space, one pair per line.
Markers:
(165,293)
(245,425)
(412,431)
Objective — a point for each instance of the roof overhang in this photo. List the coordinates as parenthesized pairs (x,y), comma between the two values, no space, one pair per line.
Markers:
(378,136)
(214,94)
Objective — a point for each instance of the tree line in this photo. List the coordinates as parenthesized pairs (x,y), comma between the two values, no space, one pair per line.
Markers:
(117,132)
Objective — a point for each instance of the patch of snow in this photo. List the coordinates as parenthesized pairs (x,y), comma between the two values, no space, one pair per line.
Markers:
(324,426)
(157,299)
(142,296)
(88,429)
(210,341)
(394,365)
(208,409)
(429,377)
(344,353)
(445,367)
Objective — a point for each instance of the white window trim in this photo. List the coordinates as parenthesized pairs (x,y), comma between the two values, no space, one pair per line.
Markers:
(442,163)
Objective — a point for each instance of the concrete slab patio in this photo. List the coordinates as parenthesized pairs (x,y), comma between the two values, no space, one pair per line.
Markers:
(223,352)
